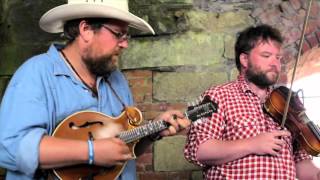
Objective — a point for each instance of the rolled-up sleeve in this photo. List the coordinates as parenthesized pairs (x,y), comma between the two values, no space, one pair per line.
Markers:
(203,130)
(23,116)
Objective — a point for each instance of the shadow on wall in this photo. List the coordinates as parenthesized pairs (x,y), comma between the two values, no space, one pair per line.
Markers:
(4,81)
(2,173)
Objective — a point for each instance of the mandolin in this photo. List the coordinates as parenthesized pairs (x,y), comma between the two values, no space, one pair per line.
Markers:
(127,126)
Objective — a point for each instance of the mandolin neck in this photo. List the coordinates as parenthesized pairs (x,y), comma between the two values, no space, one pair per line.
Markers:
(143,131)
(193,113)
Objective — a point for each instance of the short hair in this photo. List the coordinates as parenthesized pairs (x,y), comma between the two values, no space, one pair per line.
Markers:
(71,27)
(249,38)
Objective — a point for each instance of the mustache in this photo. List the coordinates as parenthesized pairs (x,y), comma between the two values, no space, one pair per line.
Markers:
(273,69)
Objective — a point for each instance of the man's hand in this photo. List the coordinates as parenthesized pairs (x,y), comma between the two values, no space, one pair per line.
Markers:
(268,143)
(177,122)
(111,151)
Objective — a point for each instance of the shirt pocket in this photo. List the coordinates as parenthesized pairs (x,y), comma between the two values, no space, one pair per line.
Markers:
(244,127)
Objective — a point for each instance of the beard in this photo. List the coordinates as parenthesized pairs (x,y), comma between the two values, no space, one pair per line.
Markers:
(101,66)
(260,78)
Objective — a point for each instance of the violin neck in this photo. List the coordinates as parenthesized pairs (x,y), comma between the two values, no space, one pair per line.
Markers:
(311,125)
(314,128)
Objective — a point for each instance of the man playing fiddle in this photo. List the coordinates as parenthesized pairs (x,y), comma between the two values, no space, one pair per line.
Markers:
(240,140)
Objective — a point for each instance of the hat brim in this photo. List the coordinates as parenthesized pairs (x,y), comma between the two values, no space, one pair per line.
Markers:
(53,21)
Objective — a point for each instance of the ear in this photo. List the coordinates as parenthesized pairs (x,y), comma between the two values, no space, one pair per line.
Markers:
(244,60)
(85,31)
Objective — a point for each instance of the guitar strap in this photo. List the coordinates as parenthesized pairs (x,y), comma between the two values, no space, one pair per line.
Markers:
(117,96)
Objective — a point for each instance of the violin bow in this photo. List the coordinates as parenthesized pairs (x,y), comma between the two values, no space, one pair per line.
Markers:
(284,117)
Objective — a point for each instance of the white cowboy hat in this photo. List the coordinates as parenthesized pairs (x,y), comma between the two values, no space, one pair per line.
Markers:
(53,20)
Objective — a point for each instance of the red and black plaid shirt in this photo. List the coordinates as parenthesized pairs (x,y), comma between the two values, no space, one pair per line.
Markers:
(240,115)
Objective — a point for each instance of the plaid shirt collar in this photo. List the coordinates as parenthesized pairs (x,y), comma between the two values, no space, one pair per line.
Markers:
(243,86)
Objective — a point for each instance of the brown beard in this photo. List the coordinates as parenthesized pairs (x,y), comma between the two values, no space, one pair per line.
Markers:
(260,78)
(100,66)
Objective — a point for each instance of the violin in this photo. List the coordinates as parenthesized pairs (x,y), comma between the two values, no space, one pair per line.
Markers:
(303,130)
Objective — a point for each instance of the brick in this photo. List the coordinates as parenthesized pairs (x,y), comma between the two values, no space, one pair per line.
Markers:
(288,55)
(300,17)
(144,162)
(179,106)
(314,11)
(304,4)
(142,94)
(312,26)
(317,32)
(287,9)
(305,47)
(292,35)
(137,82)
(182,175)
(141,90)
(313,40)
(137,73)
(296,4)
(140,168)
(152,175)
(145,158)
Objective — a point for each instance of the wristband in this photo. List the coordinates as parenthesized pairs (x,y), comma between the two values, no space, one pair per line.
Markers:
(91,152)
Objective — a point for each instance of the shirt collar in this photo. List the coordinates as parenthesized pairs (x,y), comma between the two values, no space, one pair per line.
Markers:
(59,67)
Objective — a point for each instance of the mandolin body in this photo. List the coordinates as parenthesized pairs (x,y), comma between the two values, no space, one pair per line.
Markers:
(88,124)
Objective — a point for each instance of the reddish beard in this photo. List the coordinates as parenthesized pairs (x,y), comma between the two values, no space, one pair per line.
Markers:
(260,78)
(101,66)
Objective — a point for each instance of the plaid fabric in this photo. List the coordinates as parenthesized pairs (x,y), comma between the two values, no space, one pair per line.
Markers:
(240,115)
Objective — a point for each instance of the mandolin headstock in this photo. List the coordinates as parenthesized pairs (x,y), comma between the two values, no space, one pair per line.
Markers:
(201,108)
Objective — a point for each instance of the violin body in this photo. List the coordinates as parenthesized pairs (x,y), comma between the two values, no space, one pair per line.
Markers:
(304,131)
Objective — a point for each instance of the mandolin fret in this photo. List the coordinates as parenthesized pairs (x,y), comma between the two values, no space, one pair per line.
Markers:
(142,131)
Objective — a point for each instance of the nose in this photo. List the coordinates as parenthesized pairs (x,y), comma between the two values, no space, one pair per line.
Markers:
(124,44)
(276,62)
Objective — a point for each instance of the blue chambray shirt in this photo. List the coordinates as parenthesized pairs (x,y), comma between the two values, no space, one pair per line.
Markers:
(42,93)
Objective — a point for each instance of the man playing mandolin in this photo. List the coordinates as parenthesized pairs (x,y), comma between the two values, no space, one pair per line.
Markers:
(241,140)
(79,76)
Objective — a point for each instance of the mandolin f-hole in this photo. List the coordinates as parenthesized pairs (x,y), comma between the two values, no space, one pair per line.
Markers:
(87,124)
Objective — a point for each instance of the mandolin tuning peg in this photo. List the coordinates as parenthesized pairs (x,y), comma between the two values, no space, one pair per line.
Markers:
(193,103)
(188,104)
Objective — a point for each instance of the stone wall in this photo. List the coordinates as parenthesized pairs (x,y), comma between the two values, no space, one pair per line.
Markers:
(191,51)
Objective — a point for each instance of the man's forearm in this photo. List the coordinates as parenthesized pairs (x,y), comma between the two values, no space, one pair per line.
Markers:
(56,152)
(215,152)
